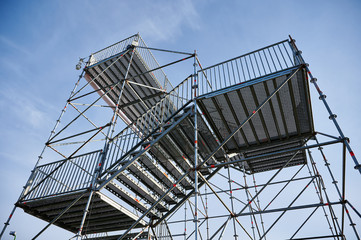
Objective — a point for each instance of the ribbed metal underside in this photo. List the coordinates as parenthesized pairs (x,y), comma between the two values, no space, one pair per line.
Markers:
(129,236)
(106,214)
(282,123)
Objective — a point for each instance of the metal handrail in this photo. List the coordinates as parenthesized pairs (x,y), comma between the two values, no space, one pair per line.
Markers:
(64,176)
(265,61)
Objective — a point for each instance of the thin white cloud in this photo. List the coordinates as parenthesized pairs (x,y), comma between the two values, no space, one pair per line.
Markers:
(169,21)
(12,67)
(24,108)
(13,45)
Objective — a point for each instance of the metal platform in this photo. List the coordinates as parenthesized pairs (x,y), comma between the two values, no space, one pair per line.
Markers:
(107,215)
(281,124)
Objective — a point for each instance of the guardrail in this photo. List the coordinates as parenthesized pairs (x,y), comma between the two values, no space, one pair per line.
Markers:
(146,57)
(268,60)
(64,176)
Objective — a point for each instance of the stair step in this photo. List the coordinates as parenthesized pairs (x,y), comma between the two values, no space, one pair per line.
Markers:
(145,194)
(169,165)
(150,182)
(162,176)
(129,198)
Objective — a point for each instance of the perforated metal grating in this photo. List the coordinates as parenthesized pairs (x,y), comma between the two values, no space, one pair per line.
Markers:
(286,117)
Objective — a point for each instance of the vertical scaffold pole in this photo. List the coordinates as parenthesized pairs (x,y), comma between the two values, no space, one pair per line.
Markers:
(231,197)
(195,87)
(101,161)
(323,99)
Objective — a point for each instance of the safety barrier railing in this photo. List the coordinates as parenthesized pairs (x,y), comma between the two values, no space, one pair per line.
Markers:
(111,50)
(145,56)
(256,64)
(64,176)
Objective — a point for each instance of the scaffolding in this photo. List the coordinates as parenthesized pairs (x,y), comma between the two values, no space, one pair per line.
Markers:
(226,153)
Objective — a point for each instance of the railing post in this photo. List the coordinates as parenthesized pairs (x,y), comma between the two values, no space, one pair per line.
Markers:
(195,88)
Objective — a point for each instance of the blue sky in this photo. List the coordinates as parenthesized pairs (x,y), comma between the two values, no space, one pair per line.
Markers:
(41,41)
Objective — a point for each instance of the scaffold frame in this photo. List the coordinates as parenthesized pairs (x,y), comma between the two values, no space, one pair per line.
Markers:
(173,155)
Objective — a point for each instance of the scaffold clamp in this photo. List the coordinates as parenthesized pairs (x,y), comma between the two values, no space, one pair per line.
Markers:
(333,116)
(322,96)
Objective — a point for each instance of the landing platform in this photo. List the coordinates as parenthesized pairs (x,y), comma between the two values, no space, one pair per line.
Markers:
(106,215)
(282,123)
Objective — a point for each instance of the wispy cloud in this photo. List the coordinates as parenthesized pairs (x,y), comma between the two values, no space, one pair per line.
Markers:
(23,107)
(170,18)
(11,44)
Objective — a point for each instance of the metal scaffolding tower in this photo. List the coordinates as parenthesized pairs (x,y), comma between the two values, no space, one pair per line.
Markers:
(224,154)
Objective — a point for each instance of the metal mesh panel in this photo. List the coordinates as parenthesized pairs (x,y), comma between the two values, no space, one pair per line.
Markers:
(228,121)
(275,161)
(277,109)
(277,120)
(284,94)
(256,120)
(241,116)
(269,120)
